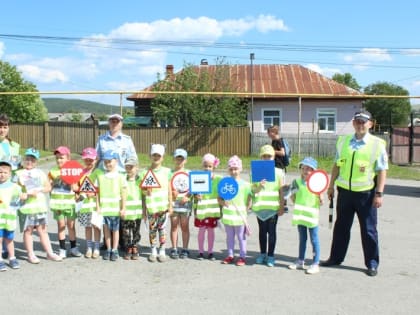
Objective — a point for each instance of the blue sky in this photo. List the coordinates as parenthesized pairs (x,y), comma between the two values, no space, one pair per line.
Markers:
(373,40)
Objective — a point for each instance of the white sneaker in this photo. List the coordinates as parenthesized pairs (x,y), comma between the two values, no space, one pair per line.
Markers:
(88,253)
(96,253)
(162,255)
(298,265)
(75,252)
(313,269)
(62,253)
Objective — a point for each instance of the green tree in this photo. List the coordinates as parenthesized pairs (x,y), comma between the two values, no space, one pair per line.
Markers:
(20,108)
(388,111)
(196,110)
(347,79)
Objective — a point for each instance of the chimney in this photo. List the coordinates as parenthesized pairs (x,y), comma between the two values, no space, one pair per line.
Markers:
(169,70)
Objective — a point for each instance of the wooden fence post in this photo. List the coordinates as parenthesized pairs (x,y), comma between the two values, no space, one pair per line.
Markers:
(46,131)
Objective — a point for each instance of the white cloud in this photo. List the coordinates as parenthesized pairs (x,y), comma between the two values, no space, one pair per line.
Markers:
(367,55)
(39,74)
(411,52)
(328,72)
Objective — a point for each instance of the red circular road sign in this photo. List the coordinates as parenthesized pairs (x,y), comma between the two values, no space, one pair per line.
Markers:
(318,182)
(71,172)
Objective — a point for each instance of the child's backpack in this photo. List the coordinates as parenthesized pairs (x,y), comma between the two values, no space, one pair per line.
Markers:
(288,153)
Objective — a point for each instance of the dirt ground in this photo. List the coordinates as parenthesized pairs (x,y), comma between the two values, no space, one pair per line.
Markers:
(190,286)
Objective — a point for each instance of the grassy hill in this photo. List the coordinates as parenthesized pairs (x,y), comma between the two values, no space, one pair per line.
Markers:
(64,105)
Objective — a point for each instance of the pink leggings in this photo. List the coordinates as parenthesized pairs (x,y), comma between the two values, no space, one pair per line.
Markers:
(210,239)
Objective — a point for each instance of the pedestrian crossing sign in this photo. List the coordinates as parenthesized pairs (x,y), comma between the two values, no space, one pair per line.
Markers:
(150,181)
(87,186)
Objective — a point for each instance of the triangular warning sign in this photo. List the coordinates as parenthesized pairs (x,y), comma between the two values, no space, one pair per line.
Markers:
(87,186)
(150,180)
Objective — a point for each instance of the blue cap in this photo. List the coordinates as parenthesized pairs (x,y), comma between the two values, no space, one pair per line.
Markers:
(181,152)
(309,161)
(109,155)
(32,152)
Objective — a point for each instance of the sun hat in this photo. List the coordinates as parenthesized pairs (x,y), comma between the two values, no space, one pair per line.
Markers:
(210,158)
(267,150)
(235,161)
(181,152)
(131,161)
(157,149)
(62,150)
(89,153)
(110,155)
(32,152)
(309,161)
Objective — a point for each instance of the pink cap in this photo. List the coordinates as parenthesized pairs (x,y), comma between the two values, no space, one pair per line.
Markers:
(235,161)
(62,150)
(89,153)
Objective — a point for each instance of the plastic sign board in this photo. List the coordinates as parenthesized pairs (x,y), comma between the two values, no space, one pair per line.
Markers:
(87,186)
(318,182)
(228,188)
(71,172)
(200,182)
(150,181)
(262,169)
(180,182)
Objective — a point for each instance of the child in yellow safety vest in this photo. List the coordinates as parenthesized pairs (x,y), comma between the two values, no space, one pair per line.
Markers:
(306,215)
(34,212)
(63,204)
(111,202)
(10,196)
(157,201)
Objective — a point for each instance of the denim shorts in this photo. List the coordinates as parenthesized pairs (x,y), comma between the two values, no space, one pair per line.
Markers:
(113,223)
(10,235)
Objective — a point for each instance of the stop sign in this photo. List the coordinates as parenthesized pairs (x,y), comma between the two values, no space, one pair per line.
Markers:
(71,172)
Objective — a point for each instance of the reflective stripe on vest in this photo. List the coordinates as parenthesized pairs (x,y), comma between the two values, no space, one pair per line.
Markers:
(208,206)
(7,211)
(110,194)
(62,197)
(158,200)
(133,205)
(356,167)
(268,198)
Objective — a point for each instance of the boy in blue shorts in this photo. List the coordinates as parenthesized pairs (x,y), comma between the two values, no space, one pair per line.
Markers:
(11,194)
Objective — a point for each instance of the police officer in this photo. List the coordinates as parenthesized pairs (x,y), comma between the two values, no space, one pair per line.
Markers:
(359,172)
(115,140)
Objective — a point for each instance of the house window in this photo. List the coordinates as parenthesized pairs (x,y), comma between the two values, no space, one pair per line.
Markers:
(326,120)
(271,117)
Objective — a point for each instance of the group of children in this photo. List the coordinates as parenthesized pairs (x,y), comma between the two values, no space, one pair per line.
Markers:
(117,202)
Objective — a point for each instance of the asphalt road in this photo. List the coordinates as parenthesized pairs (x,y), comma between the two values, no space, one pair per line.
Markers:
(190,286)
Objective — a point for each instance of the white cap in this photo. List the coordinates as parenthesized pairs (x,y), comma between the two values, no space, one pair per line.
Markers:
(157,149)
(115,116)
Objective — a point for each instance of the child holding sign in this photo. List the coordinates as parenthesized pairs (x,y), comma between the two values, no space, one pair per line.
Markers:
(234,211)
(157,201)
(207,209)
(63,203)
(181,204)
(35,184)
(306,215)
(267,204)
(87,198)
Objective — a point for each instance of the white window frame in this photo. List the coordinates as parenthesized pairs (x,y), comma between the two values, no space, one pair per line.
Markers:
(323,111)
(271,109)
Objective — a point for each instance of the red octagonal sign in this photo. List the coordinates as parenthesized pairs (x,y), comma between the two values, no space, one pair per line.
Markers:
(71,172)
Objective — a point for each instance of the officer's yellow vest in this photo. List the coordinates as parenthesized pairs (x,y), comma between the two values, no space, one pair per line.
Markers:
(356,167)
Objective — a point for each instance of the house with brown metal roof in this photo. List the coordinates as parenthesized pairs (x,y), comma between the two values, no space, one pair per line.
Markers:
(296,98)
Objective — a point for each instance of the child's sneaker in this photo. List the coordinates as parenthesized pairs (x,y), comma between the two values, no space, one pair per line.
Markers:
(261,259)
(54,257)
(174,253)
(88,253)
(200,256)
(270,261)
(228,260)
(184,254)
(2,266)
(62,253)
(114,255)
(14,264)
(313,269)
(152,258)
(298,265)
(211,257)
(240,262)
(95,253)
(33,259)
(75,252)
(107,255)
(162,255)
